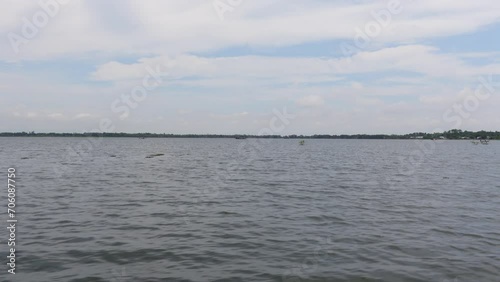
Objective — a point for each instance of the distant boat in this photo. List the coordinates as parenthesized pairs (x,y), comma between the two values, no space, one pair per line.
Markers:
(301,142)
(480,141)
(484,141)
(240,137)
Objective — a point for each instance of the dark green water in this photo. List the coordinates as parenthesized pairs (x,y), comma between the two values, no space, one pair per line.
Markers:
(253,210)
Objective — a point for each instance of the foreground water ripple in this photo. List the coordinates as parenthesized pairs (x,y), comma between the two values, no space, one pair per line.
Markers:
(218,210)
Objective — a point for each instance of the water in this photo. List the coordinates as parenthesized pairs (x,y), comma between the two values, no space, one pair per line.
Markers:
(254,210)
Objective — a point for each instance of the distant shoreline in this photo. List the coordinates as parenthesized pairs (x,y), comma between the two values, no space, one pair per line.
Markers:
(454,134)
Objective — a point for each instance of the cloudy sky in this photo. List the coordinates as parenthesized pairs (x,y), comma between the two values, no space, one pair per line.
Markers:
(227,66)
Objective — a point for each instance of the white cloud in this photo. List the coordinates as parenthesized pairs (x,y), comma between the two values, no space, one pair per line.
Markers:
(56,116)
(234,116)
(82,116)
(419,59)
(357,85)
(174,27)
(311,101)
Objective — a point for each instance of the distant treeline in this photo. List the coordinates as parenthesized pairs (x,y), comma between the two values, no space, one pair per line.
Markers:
(451,134)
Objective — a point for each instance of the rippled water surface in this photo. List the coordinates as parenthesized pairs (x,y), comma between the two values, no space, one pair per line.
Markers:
(254,210)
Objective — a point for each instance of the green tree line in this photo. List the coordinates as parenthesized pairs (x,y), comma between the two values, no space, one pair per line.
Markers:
(454,134)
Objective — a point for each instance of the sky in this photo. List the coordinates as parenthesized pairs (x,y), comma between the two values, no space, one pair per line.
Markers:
(249,66)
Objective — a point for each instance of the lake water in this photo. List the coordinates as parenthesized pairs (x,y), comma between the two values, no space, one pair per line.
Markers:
(253,210)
